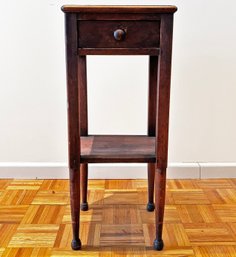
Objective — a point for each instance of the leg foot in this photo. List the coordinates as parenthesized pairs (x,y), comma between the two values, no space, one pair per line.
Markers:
(76,244)
(84,206)
(158,244)
(150,207)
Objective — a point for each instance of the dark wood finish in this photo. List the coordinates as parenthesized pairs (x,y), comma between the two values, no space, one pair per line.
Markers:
(119,51)
(73,124)
(163,92)
(147,30)
(117,149)
(160,192)
(152,106)
(84,186)
(152,95)
(119,16)
(100,34)
(119,9)
(83,102)
(82,80)
(163,99)
(151,177)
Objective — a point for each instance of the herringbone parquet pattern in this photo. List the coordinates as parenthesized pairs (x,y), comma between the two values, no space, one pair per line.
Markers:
(200,219)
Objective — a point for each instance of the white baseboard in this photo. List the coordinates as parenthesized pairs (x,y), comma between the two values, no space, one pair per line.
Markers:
(218,170)
(39,170)
(183,171)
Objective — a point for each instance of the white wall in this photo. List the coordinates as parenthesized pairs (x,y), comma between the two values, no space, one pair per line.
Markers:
(33,87)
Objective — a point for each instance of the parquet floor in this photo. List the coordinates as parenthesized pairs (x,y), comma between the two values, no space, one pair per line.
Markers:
(200,219)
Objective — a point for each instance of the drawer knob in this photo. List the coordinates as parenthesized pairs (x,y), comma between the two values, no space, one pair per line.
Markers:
(119,34)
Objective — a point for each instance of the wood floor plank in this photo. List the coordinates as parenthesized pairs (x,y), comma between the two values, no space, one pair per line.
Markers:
(137,251)
(87,252)
(233,182)
(174,252)
(51,197)
(197,214)
(6,233)
(186,196)
(96,197)
(182,184)
(55,184)
(215,251)
(17,197)
(90,233)
(96,184)
(174,235)
(209,233)
(232,227)
(213,183)
(214,196)
(2,250)
(44,214)
(228,195)
(94,214)
(121,214)
(4,183)
(11,214)
(24,184)
(119,184)
(225,212)
(171,215)
(26,252)
(120,197)
(34,235)
(63,239)
(121,235)
(142,196)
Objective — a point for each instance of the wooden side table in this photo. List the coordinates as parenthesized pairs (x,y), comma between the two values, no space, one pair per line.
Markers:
(118,30)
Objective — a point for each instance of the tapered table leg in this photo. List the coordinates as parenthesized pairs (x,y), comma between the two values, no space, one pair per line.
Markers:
(75,207)
(160,189)
(84,184)
(152,110)
(151,176)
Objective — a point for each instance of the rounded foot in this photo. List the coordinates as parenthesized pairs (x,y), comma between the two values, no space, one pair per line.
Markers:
(150,207)
(76,244)
(84,206)
(158,244)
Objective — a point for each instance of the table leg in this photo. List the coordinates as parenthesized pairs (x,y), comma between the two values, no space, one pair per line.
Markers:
(84,184)
(152,109)
(75,207)
(151,176)
(160,189)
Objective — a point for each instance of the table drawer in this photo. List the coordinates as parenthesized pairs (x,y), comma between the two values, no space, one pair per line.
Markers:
(119,34)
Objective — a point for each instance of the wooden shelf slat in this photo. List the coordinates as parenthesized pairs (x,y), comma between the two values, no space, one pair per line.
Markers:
(108,149)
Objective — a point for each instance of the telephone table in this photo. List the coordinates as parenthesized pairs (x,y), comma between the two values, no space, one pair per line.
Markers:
(118,30)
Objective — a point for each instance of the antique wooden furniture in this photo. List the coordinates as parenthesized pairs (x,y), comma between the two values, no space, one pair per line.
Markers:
(118,30)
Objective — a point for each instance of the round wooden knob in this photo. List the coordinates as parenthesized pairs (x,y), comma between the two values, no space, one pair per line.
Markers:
(119,34)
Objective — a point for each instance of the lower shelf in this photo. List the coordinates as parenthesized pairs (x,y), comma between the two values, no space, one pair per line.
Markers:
(101,149)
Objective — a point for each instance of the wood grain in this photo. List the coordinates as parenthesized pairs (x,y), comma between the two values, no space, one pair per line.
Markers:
(196,224)
(117,149)
(99,34)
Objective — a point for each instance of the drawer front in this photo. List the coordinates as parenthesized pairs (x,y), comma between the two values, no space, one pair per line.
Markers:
(119,34)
